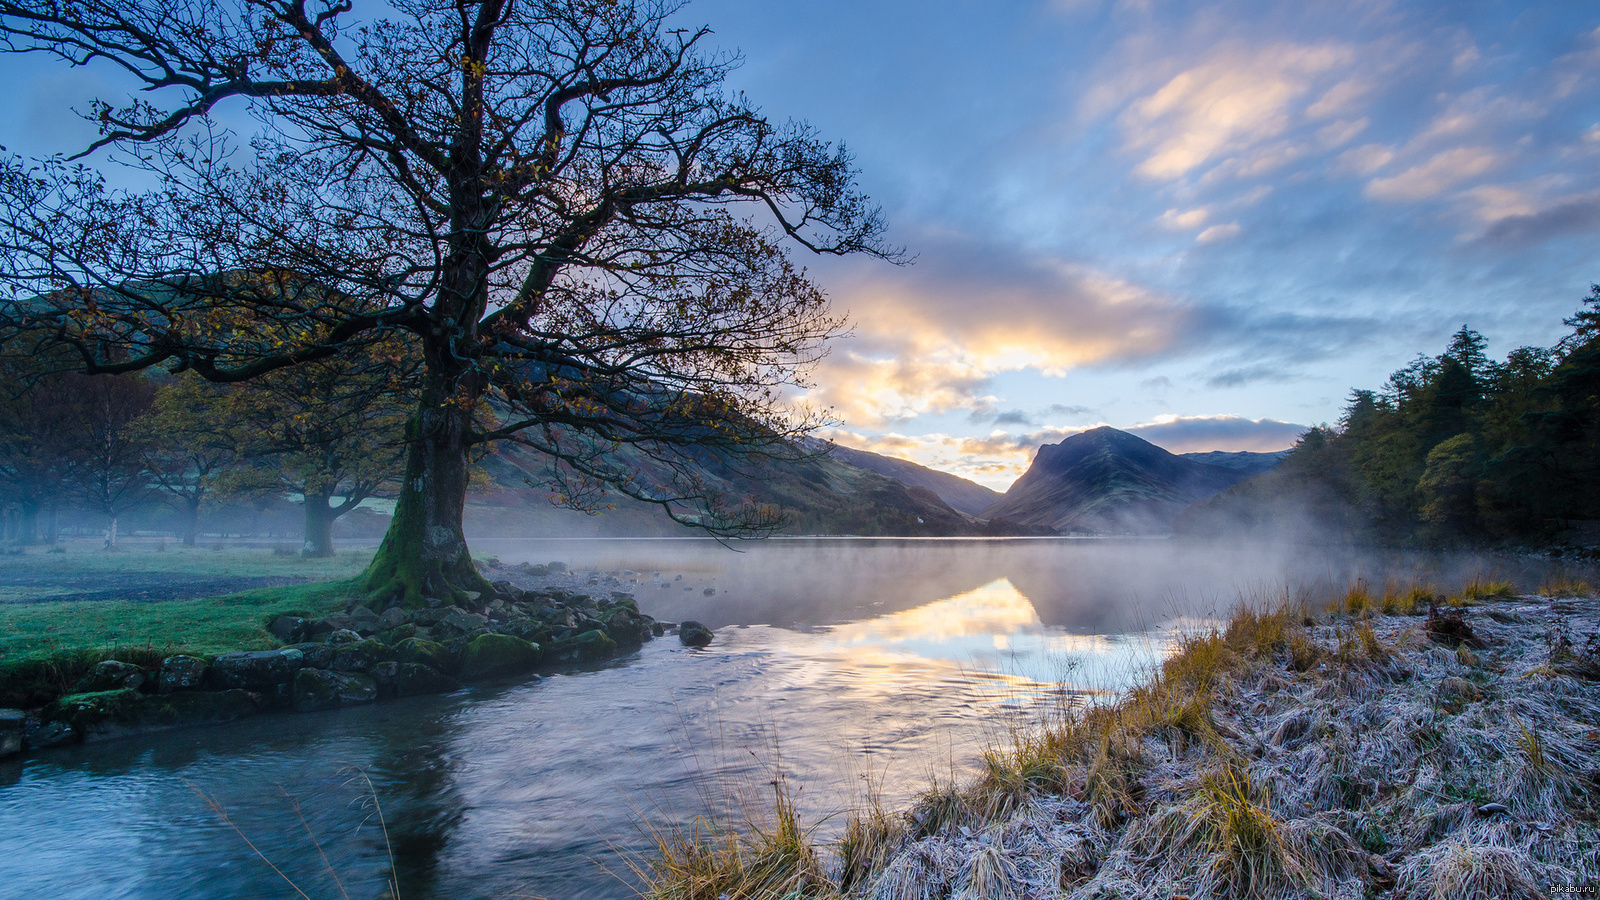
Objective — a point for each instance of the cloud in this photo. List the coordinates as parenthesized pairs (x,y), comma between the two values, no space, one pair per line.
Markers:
(1363,160)
(1443,171)
(929,337)
(1191,434)
(1218,233)
(1525,227)
(1236,99)
(1184,220)
(1247,375)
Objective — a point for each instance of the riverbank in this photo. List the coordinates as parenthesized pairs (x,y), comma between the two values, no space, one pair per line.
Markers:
(74,670)
(1398,745)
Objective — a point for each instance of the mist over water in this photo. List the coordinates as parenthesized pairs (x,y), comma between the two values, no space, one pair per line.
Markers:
(835,660)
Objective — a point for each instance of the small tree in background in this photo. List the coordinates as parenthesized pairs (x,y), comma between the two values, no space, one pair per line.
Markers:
(105,448)
(193,448)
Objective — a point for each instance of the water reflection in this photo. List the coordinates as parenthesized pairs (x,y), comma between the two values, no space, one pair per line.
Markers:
(841,657)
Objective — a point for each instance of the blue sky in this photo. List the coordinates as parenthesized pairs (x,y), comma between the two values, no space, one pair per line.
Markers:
(1203,222)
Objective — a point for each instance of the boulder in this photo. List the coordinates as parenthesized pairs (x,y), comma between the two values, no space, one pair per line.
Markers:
(413,679)
(495,655)
(556,568)
(398,634)
(535,571)
(316,656)
(45,735)
(107,714)
(587,646)
(360,656)
(321,628)
(181,673)
(288,629)
(427,618)
(109,675)
(344,636)
(394,617)
(256,668)
(12,724)
(365,622)
(693,634)
(318,689)
(431,654)
(528,629)
(461,622)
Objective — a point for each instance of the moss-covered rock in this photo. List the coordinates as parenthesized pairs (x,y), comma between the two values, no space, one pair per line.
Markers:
(318,689)
(694,634)
(429,653)
(256,668)
(360,656)
(181,673)
(412,679)
(111,675)
(12,722)
(587,646)
(396,635)
(105,714)
(495,655)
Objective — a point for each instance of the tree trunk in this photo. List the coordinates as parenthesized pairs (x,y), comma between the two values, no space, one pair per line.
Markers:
(28,523)
(191,521)
(319,524)
(424,553)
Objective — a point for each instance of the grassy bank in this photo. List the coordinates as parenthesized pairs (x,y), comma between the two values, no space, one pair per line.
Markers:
(1399,745)
(46,646)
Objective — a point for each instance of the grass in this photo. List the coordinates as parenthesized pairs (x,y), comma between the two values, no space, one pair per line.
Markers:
(88,559)
(46,647)
(1265,759)
(1566,586)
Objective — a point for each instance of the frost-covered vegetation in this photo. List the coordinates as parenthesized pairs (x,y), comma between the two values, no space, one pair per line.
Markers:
(1398,745)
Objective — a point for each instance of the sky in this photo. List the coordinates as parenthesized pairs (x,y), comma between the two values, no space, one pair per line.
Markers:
(1200,222)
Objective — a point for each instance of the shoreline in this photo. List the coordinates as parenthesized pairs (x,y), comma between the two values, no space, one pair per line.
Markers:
(1388,748)
(539,622)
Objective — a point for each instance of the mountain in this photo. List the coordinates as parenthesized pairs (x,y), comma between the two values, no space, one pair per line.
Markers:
(1253,463)
(967,496)
(1108,481)
(817,493)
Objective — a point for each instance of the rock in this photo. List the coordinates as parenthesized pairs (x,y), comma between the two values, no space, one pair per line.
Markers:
(288,629)
(556,568)
(429,653)
(393,617)
(107,714)
(427,618)
(256,668)
(181,673)
(12,724)
(528,629)
(359,657)
(693,634)
(344,636)
(461,622)
(45,735)
(321,628)
(588,646)
(383,674)
(1450,628)
(318,689)
(414,679)
(1494,809)
(710,592)
(109,675)
(316,656)
(396,635)
(535,571)
(365,622)
(495,655)
(624,627)
(657,629)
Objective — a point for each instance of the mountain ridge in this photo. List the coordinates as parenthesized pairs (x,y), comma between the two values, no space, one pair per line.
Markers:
(1107,481)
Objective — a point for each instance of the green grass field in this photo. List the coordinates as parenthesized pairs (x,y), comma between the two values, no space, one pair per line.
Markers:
(55,641)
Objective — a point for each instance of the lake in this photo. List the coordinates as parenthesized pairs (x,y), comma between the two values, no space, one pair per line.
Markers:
(840,665)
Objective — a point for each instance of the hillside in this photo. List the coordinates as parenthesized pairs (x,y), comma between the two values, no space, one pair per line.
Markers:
(963,495)
(1106,481)
(1252,463)
(817,493)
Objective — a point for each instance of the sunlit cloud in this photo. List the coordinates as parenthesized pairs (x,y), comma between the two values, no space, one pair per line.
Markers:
(1445,170)
(1218,233)
(1227,104)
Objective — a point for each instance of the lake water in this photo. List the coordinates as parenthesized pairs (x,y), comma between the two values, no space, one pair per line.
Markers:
(838,664)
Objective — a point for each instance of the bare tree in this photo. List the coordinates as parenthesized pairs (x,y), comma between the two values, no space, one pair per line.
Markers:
(558,200)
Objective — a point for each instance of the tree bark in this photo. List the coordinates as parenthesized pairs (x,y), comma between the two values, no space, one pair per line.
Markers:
(191,521)
(28,523)
(319,524)
(424,553)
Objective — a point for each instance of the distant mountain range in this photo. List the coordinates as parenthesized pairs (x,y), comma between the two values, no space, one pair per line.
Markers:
(967,496)
(1102,481)
(1105,481)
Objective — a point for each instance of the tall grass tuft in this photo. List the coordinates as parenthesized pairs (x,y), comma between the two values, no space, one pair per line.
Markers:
(771,860)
